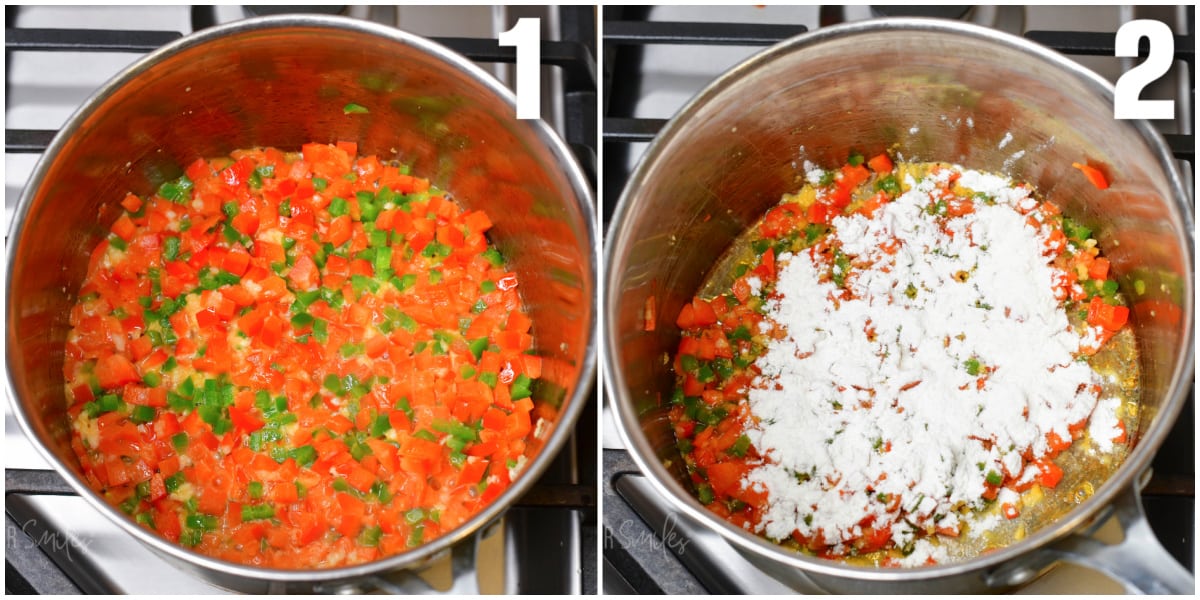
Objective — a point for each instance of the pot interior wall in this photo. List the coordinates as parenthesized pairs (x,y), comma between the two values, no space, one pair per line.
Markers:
(928,96)
(283,88)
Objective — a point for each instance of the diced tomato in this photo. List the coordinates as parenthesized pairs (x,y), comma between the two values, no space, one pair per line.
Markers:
(1098,269)
(246,223)
(949,531)
(741,290)
(350,148)
(533,365)
(145,396)
(239,295)
(701,347)
(1051,473)
(507,282)
(304,275)
(726,477)
(272,287)
(270,252)
(1102,314)
(692,386)
(990,491)
(251,322)
(361,266)
(765,269)
(958,207)
(1010,510)
(170,465)
(472,471)
(207,319)
(115,370)
(477,221)
(131,203)
(874,539)
(873,204)
(1056,241)
(271,331)
(450,236)
(386,219)
(852,176)
(399,421)
(376,346)
(779,220)
(236,261)
(880,163)
(224,307)
(818,212)
(350,513)
(339,230)
(157,487)
(199,169)
(166,522)
(360,479)
(124,228)
(1056,443)
(517,321)
(141,347)
(687,317)
(82,393)
(212,501)
(704,313)
(513,341)
(244,419)
(1123,436)
(697,314)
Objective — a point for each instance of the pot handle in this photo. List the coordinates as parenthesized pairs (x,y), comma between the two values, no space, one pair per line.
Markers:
(1138,562)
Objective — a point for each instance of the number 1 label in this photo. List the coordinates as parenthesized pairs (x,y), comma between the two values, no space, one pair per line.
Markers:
(1127,104)
(526,36)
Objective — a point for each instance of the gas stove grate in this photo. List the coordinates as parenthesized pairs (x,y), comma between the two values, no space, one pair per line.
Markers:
(616,33)
(31,568)
(637,556)
(574,58)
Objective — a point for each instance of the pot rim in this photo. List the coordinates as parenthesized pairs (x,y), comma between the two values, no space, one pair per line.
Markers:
(563,428)
(617,246)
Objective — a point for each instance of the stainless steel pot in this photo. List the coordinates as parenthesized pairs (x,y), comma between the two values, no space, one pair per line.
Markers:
(933,90)
(283,81)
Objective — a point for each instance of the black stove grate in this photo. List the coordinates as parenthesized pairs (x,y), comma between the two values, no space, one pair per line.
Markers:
(574,58)
(660,566)
(567,488)
(635,33)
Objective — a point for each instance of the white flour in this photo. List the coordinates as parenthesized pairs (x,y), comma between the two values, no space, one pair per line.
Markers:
(889,369)
(1105,427)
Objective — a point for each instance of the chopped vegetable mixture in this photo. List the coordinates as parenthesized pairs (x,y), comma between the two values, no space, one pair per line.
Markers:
(724,339)
(299,360)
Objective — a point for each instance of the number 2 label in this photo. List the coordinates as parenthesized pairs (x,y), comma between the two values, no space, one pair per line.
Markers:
(1127,104)
(526,36)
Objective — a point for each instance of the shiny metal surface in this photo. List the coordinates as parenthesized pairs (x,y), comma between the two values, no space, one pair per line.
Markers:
(282,81)
(932,90)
